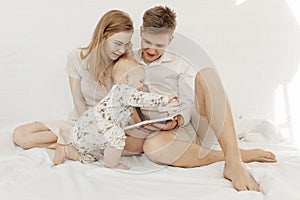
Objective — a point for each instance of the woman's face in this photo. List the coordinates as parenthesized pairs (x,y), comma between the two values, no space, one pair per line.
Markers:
(118,44)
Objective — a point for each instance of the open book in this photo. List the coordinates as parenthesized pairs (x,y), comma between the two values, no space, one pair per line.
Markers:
(151,121)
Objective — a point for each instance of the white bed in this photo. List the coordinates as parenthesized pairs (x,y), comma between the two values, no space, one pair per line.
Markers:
(30,175)
(36,37)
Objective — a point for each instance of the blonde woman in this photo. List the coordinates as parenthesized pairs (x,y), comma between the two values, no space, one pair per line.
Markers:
(89,71)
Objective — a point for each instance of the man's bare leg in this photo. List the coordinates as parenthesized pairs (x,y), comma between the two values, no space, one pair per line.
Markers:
(33,135)
(212,102)
(165,149)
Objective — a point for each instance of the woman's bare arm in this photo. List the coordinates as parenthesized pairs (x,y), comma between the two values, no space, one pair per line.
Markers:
(78,100)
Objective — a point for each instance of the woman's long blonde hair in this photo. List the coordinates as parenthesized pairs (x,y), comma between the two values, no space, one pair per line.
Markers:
(112,22)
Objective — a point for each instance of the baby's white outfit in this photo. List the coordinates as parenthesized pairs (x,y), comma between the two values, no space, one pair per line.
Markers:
(102,125)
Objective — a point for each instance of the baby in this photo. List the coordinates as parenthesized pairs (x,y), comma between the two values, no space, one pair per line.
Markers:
(99,130)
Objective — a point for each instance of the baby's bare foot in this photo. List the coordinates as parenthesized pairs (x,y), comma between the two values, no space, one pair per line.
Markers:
(63,152)
(60,154)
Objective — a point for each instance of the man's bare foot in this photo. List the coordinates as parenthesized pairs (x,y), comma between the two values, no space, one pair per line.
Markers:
(240,177)
(257,155)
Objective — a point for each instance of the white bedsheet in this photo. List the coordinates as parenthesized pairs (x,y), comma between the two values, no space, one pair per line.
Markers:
(30,175)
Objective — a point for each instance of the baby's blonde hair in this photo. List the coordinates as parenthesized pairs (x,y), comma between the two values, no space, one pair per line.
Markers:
(126,65)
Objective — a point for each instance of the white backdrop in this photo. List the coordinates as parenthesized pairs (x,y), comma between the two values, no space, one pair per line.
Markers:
(255,44)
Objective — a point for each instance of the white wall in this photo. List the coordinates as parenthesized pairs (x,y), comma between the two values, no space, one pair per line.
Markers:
(255,45)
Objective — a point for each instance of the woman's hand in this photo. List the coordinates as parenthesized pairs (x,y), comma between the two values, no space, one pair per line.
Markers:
(79,102)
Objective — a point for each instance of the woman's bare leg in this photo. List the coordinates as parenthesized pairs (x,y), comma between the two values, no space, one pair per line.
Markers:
(33,135)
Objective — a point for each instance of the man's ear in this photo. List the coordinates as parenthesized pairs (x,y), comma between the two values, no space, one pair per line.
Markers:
(171,39)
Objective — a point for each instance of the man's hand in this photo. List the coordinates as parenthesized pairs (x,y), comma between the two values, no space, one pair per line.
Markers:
(156,127)
(171,97)
(165,127)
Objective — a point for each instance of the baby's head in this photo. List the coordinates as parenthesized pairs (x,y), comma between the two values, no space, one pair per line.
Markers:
(130,72)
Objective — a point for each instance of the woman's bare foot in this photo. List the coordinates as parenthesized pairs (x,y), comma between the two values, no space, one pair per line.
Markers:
(240,177)
(63,152)
(52,146)
(257,155)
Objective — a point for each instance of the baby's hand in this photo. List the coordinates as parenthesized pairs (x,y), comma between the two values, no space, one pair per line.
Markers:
(121,166)
(118,166)
(171,97)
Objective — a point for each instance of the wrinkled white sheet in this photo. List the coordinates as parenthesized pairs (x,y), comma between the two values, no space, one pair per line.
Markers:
(30,175)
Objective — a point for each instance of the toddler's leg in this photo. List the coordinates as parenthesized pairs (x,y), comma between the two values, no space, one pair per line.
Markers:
(87,142)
